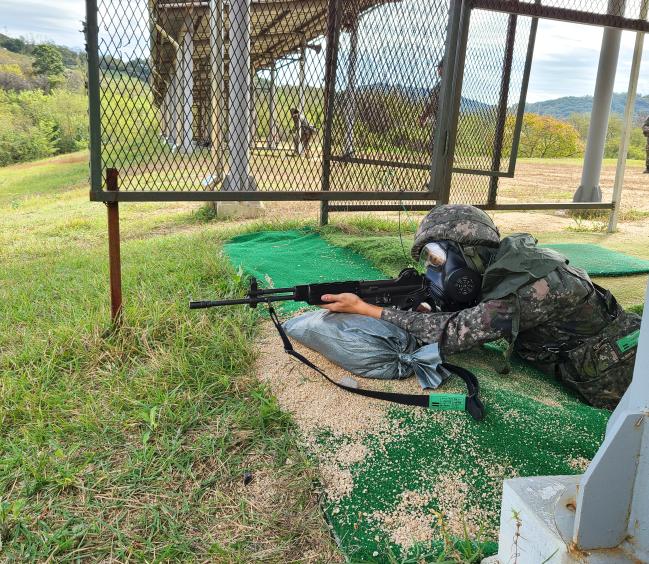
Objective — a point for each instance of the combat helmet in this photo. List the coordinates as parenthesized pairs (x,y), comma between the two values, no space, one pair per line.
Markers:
(464,224)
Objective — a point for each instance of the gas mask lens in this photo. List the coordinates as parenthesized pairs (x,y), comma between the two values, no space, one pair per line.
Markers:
(432,255)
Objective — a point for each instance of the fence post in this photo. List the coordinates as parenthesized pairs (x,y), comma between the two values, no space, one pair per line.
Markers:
(331,64)
(94,104)
(350,95)
(299,149)
(114,255)
(502,108)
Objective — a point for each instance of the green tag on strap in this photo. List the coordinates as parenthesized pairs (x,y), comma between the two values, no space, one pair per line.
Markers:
(447,402)
(628,342)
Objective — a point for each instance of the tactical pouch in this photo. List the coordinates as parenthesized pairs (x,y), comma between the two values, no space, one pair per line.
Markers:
(600,368)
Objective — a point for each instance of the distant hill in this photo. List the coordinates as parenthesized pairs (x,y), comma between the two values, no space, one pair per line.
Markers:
(562,107)
(72,58)
(9,58)
(416,94)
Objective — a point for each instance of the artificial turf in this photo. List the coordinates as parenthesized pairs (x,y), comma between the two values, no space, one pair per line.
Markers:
(451,464)
(598,261)
(287,258)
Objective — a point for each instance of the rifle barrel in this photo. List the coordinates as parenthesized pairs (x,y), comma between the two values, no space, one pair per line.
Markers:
(239,301)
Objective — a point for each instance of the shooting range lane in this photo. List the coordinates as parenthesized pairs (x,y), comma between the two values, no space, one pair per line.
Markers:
(598,261)
(286,258)
(406,481)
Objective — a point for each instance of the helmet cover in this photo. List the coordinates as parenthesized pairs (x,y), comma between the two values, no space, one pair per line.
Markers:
(461,223)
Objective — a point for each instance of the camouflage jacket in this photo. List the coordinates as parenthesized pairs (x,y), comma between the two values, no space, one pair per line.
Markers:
(645,128)
(563,326)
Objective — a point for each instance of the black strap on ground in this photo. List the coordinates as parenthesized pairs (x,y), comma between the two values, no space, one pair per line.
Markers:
(473,404)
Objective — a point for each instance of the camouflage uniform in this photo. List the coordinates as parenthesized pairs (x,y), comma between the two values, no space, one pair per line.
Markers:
(561,322)
(645,132)
(303,131)
(432,106)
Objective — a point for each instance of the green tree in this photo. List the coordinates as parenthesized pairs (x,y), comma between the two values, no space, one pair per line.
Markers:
(580,122)
(548,137)
(47,61)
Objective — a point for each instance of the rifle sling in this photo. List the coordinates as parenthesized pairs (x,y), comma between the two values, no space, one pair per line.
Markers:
(473,404)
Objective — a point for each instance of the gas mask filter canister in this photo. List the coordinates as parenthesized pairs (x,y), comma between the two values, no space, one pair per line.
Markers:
(453,284)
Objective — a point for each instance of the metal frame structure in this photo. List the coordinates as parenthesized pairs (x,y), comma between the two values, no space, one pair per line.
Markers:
(320,18)
(441,162)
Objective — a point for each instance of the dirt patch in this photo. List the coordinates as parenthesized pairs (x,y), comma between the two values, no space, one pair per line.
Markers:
(579,463)
(411,522)
(62,159)
(315,403)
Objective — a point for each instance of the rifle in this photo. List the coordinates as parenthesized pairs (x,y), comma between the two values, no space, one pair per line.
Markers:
(406,291)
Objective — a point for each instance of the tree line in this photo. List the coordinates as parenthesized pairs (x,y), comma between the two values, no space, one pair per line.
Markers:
(43,110)
(544,136)
(43,105)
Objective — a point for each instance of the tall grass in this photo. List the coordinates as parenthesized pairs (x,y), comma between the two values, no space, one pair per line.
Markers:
(132,444)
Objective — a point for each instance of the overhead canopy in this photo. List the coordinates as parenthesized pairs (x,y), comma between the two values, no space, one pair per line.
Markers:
(278,28)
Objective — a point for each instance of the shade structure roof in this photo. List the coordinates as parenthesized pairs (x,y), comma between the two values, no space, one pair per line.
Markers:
(277,29)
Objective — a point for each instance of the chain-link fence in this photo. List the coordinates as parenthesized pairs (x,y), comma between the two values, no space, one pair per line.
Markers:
(316,99)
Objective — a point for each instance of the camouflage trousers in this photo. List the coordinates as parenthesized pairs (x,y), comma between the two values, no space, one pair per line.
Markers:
(600,368)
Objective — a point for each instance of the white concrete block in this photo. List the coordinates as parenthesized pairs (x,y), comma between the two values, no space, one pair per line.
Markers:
(536,524)
(239,210)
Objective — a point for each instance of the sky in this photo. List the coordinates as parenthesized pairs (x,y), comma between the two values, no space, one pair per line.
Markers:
(564,64)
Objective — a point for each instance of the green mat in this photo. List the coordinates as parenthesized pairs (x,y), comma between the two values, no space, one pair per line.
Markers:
(423,464)
(287,258)
(598,261)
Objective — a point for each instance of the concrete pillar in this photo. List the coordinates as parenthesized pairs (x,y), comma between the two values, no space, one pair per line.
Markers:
(217,98)
(350,95)
(589,190)
(187,88)
(166,114)
(253,110)
(175,105)
(300,104)
(272,133)
(238,178)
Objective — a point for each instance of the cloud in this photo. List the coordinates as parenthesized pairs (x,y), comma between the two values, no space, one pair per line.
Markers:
(565,59)
(58,21)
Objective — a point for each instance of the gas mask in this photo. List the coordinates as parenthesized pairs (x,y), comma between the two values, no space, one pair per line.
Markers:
(454,281)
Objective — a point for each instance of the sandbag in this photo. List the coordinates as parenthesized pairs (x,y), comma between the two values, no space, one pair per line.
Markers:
(367,347)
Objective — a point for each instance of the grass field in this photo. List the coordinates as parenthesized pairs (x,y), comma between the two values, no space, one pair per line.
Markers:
(132,445)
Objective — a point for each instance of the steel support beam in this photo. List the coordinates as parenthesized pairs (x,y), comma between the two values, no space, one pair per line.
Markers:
(94,104)
(331,66)
(501,121)
(538,10)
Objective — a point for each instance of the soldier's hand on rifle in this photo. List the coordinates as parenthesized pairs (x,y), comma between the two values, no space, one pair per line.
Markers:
(350,303)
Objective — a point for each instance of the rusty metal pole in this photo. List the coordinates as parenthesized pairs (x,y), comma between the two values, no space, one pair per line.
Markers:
(114,256)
